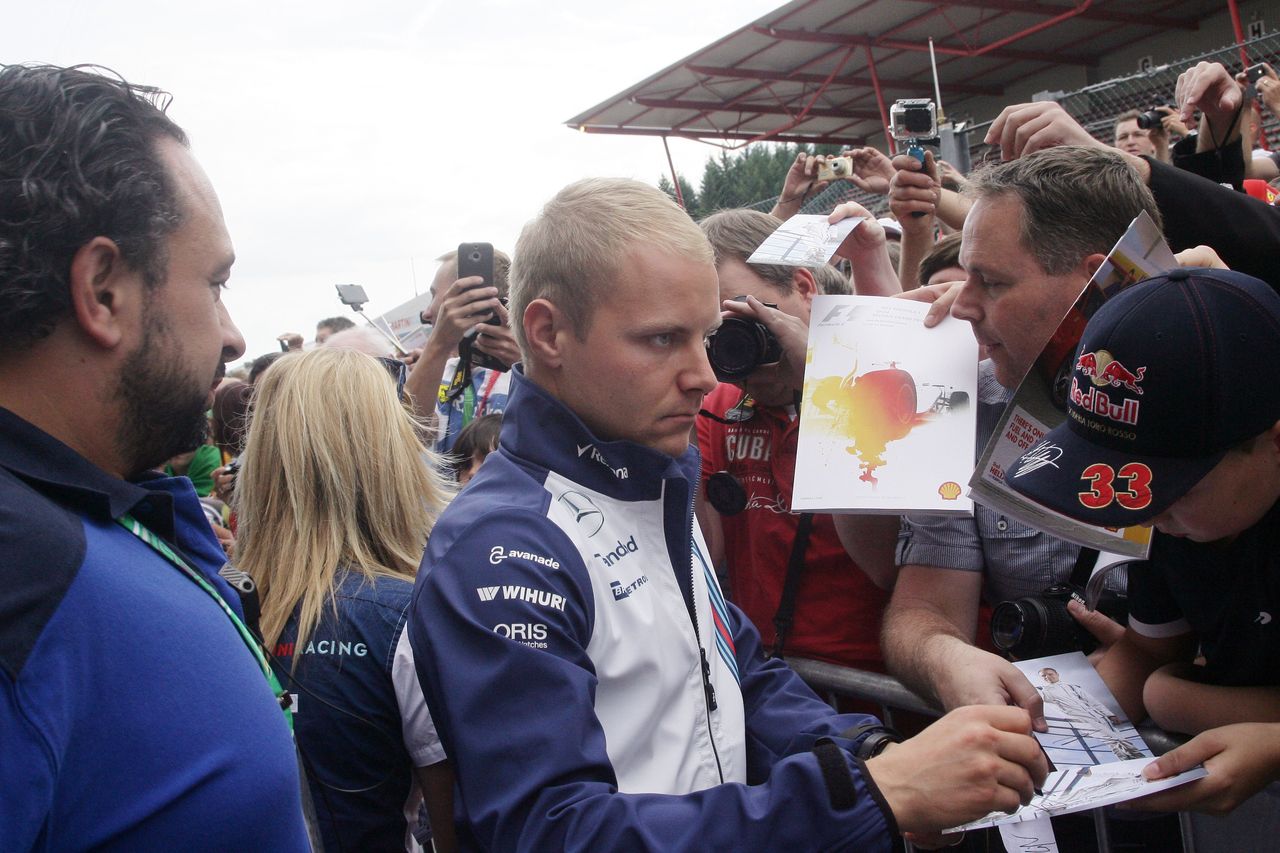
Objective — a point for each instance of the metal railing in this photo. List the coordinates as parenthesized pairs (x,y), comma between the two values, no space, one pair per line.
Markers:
(834,682)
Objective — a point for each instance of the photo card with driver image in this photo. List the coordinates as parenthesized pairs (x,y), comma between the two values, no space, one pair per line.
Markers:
(1086,725)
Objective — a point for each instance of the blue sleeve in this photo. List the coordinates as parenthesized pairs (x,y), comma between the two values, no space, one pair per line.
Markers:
(26,767)
(511,687)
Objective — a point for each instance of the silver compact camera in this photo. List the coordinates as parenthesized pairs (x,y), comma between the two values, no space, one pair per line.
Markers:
(835,168)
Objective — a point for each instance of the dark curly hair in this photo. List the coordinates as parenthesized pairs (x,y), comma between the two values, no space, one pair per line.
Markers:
(77,160)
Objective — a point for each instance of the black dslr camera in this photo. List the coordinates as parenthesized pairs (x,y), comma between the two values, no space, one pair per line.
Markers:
(1152,117)
(1039,625)
(740,346)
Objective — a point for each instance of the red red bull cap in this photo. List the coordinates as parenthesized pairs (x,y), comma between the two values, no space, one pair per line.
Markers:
(1170,374)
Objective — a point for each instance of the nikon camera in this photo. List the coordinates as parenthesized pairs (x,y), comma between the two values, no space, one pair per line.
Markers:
(1039,625)
(740,346)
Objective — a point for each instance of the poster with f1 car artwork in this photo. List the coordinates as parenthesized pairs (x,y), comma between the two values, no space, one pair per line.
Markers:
(887,415)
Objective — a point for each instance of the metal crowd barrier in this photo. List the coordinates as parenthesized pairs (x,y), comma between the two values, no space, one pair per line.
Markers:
(834,682)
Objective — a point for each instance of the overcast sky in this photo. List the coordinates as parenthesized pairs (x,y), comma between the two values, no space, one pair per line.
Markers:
(355,142)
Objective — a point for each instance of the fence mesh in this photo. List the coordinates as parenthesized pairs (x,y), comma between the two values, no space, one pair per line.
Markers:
(1096,108)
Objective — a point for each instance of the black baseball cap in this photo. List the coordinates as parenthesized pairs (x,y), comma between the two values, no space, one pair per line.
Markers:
(1170,374)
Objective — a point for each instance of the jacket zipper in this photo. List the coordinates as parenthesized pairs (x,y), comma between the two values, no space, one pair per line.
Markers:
(708,690)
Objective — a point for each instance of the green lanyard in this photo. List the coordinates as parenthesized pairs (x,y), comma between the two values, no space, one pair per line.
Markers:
(468,404)
(135,527)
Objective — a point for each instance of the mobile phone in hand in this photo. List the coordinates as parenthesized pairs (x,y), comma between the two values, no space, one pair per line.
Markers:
(1252,75)
(476,259)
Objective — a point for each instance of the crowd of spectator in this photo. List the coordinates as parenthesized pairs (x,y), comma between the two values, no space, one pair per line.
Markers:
(531,586)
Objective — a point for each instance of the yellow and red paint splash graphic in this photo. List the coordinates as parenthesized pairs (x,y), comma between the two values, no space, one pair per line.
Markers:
(870,411)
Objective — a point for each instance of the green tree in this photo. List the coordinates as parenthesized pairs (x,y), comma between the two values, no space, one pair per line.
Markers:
(750,177)
(692,203)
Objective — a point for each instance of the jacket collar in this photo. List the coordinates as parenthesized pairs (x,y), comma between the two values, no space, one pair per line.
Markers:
(538,428)
(64,476)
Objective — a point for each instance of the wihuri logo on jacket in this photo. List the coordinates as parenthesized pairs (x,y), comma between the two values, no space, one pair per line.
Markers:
(521,593)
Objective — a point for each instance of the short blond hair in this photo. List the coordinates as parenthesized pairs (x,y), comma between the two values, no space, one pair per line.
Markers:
(574,250)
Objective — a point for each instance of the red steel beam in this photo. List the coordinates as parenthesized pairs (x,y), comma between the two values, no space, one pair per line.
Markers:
(675,178)
(1239,31)
(809,77)
(726,134)
(884,115)
(923,47)
(931,12)
(1093,13)
(759,109)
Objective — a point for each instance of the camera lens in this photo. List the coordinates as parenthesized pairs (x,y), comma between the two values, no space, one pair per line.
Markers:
(1149,119)
(1034,626)
(1009,625)
(726,493)
(1037,626)
(918,121)
(738,347)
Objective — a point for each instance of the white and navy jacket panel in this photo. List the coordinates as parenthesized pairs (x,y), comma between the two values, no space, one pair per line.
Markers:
(552,632)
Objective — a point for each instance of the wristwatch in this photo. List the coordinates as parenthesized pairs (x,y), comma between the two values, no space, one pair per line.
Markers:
(877,742)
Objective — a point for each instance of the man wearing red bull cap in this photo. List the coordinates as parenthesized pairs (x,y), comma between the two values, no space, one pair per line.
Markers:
(1187,441)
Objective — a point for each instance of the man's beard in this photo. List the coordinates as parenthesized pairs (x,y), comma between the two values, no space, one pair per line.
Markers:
(163,410)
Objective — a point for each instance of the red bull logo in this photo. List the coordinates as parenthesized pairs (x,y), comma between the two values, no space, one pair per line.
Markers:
(1097,402)
(1102,370)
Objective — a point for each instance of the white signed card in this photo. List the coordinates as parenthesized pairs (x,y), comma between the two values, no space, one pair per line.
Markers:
(1031,836)
(804,240)
(1076,789)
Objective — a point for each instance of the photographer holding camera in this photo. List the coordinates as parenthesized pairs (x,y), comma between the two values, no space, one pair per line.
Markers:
(788,571)
(866,168)
(457,315)
(1146,133)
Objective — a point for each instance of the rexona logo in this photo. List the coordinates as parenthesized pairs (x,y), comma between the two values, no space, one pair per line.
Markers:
(511,592)
(532,634)
(622,550)
(583,449)
(620,592)
(497,554)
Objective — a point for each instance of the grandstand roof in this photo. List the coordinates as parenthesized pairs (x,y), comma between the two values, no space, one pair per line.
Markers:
(811,71)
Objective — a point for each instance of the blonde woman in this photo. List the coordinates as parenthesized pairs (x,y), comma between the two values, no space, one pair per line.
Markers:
(335,498)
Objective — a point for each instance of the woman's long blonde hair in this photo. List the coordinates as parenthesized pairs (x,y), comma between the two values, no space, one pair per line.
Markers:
(333,476)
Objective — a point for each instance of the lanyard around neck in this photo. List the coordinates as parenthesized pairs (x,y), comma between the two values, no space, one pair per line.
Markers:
(161,547)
